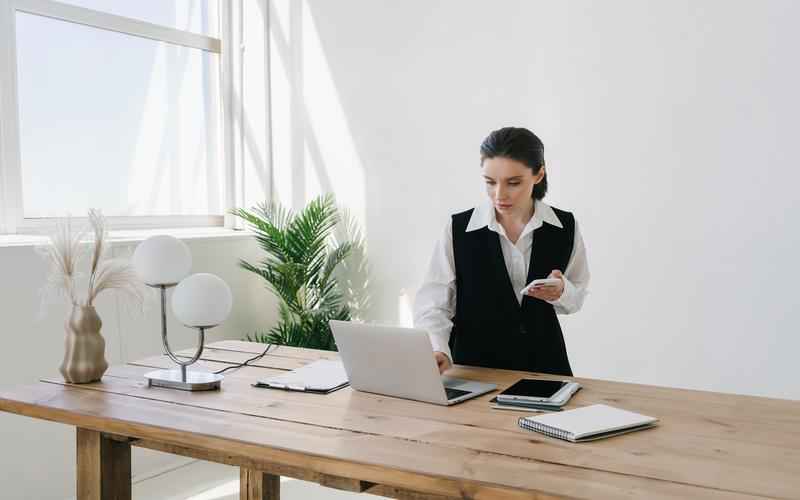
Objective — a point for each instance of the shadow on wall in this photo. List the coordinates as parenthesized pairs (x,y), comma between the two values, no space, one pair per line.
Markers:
(318,154)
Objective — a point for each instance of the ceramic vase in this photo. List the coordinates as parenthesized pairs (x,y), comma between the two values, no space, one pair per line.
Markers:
(84,347)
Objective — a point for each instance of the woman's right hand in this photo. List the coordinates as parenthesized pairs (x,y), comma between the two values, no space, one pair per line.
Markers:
(442,361)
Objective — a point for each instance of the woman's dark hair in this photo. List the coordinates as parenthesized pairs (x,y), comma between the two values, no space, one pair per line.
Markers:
(519,144)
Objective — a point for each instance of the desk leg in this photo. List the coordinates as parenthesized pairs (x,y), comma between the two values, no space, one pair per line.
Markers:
(104,467)
(256,485)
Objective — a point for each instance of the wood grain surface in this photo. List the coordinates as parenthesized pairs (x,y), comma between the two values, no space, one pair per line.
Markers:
(707,445)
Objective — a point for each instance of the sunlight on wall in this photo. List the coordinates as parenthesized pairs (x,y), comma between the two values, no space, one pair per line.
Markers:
(281,87)
(338,167)
(311,180)
(314,151)
(405,315)
(254,112)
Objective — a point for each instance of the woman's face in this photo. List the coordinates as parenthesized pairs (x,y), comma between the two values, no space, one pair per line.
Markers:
(509,184)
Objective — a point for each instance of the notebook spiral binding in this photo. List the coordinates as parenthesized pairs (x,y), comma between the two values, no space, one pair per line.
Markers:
(544,429)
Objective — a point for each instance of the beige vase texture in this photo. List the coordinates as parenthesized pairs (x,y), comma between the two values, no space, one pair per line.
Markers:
(84,347)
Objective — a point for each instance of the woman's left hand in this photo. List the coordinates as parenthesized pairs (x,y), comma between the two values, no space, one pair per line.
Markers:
(549,292)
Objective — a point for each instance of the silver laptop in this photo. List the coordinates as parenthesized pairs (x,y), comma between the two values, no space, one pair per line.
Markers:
(398,362)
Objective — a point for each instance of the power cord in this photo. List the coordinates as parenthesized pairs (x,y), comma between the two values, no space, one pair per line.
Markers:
(245,363)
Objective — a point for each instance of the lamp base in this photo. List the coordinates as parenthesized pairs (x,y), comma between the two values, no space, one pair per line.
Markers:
(192,381)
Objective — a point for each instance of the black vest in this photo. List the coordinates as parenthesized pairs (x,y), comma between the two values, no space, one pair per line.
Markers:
(490,327)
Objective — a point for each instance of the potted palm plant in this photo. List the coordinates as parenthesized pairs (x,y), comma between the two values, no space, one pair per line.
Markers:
(314,263)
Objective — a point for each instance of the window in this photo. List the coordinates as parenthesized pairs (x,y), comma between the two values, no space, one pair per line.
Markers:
(118,108)
(196,16)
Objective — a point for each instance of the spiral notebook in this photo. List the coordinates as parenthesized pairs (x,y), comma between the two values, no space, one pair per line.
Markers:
(588,423)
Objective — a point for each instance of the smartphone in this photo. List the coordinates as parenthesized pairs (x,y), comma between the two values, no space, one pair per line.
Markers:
(540,282)
(523,406)
(555,392)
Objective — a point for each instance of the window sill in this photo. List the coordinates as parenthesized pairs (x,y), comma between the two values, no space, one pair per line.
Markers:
(136,235)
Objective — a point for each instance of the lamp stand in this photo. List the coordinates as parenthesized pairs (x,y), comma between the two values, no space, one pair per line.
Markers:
(181,378)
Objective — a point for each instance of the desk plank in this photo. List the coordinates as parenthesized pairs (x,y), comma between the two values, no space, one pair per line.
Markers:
(694,459)
(749,405)
(235,357)
(745,418)
(277,350)
(395,463)
(731,426)
(709,445)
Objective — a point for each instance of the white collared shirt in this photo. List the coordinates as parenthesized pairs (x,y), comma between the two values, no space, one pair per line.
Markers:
(435,302)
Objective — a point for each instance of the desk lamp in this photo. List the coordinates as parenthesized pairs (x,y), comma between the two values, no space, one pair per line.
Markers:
(200,301)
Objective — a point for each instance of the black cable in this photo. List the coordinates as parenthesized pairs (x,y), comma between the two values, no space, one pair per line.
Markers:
(245,363)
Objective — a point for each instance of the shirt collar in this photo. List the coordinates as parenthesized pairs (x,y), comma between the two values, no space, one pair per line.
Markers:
(485,216)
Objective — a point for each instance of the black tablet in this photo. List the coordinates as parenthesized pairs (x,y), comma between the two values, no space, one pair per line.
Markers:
(534,390)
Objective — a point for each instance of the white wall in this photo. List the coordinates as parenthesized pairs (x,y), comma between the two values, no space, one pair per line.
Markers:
(38,461)
(669,131)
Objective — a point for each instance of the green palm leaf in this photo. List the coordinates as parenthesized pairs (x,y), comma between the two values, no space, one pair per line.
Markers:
(303,252)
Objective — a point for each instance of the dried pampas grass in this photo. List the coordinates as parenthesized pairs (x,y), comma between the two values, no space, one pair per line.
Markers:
(62,252)
(65,249)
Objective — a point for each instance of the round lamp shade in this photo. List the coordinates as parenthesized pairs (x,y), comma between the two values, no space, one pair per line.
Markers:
(162,260)
(202,300)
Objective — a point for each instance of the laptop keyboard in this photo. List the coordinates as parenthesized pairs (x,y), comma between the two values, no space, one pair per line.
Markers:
(454,393)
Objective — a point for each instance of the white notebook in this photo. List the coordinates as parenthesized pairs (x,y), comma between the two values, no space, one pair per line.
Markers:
(587,423)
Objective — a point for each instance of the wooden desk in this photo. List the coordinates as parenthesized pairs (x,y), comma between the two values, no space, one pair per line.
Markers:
(708,445)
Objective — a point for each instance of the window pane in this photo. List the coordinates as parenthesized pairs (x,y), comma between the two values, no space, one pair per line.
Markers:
(198,16)
(117,122)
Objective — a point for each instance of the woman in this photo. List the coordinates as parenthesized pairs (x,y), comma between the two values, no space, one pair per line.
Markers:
(470,302)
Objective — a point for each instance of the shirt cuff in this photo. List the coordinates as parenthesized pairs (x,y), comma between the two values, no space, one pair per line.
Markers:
(566,295)
(439,346)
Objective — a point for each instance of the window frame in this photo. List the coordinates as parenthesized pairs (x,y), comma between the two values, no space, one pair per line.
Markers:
(12,220)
